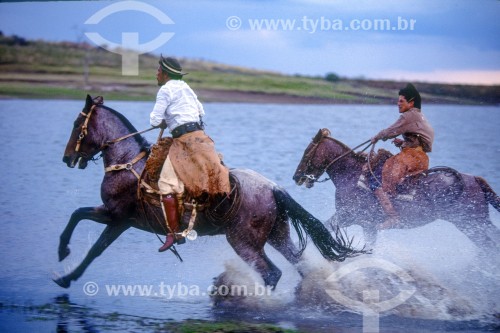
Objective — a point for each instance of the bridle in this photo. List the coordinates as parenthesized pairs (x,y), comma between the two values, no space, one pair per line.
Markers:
(313,153)
(83,130)
(115,167)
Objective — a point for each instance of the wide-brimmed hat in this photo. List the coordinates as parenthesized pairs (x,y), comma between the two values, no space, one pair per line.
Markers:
(171,65)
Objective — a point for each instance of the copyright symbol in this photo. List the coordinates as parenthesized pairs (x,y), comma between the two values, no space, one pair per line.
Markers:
(233,23)
(90,288)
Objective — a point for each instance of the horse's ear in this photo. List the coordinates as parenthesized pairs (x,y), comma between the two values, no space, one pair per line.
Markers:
(318,136)
(98,100)
(88,102)
(323,132)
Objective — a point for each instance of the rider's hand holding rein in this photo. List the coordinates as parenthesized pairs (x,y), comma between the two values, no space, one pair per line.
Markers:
(398,142)
(162,125)
(375,139)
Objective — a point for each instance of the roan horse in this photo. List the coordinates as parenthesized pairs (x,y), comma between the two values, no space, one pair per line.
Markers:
(444,194)
(261,215)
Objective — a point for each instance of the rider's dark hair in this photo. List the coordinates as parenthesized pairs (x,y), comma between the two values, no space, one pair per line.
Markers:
(411,94)
(173,76)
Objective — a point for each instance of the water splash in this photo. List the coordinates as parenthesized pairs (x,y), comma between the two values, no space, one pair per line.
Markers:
(409,282)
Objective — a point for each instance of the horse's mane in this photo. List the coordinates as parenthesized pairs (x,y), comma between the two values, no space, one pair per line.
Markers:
(143,143)
(361,157)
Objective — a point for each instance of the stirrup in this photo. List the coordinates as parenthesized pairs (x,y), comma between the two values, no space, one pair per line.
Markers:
(363,184)
(407,197)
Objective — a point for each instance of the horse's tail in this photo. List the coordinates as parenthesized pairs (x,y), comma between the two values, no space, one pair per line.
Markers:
(491,197)
(331,248)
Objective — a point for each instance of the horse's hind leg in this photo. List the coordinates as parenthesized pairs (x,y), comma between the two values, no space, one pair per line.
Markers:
(98,214)
(482,232)
(262,264)
(107,237)
(279,238)
(272,274)
(252,252)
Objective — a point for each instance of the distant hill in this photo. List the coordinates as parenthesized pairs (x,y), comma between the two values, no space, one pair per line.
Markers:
(67,70)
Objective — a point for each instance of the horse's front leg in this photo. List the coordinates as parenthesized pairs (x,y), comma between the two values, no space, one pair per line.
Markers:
(98,214)
(482,232)
(108,236)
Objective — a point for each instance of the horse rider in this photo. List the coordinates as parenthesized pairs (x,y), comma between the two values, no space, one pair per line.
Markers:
(192,163)
(418,136)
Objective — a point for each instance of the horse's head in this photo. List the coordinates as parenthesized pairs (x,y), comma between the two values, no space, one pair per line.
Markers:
(83,143)
(313,162)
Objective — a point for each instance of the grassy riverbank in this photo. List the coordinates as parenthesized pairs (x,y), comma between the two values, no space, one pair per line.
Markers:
(40,69)
(66,317)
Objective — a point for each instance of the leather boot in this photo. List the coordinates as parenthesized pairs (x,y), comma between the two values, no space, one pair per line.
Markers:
(392,217)
(173,217)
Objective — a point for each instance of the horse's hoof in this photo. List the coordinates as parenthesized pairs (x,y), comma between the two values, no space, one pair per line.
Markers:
(62,282)
(63,253)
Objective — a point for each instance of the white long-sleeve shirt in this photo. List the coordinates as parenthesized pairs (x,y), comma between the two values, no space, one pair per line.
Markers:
(177,103)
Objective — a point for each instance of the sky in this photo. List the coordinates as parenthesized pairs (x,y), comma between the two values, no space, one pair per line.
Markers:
(449,41)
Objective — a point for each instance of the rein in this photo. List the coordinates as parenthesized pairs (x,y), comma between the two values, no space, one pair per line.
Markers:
(370,166)
(312,178)
(109,143)
(115,167)
(127,166)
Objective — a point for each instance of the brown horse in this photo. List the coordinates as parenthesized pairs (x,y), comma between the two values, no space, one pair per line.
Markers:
(440,193)
(257,211)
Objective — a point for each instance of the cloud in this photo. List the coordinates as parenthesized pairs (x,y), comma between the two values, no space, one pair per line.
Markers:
(479,77)
(450,36)
(370,55)
(376,7)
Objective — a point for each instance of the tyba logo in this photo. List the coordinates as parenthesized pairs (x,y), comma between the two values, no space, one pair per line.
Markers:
(129,48)
(371,306)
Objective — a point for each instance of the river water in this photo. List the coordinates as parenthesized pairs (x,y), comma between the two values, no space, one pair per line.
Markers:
(454,288)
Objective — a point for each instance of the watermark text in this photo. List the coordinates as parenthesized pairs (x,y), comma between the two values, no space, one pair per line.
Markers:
(170,291)
(313,25)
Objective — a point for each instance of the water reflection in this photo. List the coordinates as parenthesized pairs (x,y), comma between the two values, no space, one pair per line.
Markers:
(71,314)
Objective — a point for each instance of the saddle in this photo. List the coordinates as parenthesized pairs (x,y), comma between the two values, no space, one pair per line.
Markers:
(218,209)
(147,189)
(371,176)
(438,183)
(156,158)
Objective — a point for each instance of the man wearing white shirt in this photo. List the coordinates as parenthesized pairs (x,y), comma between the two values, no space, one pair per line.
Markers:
(192,164)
